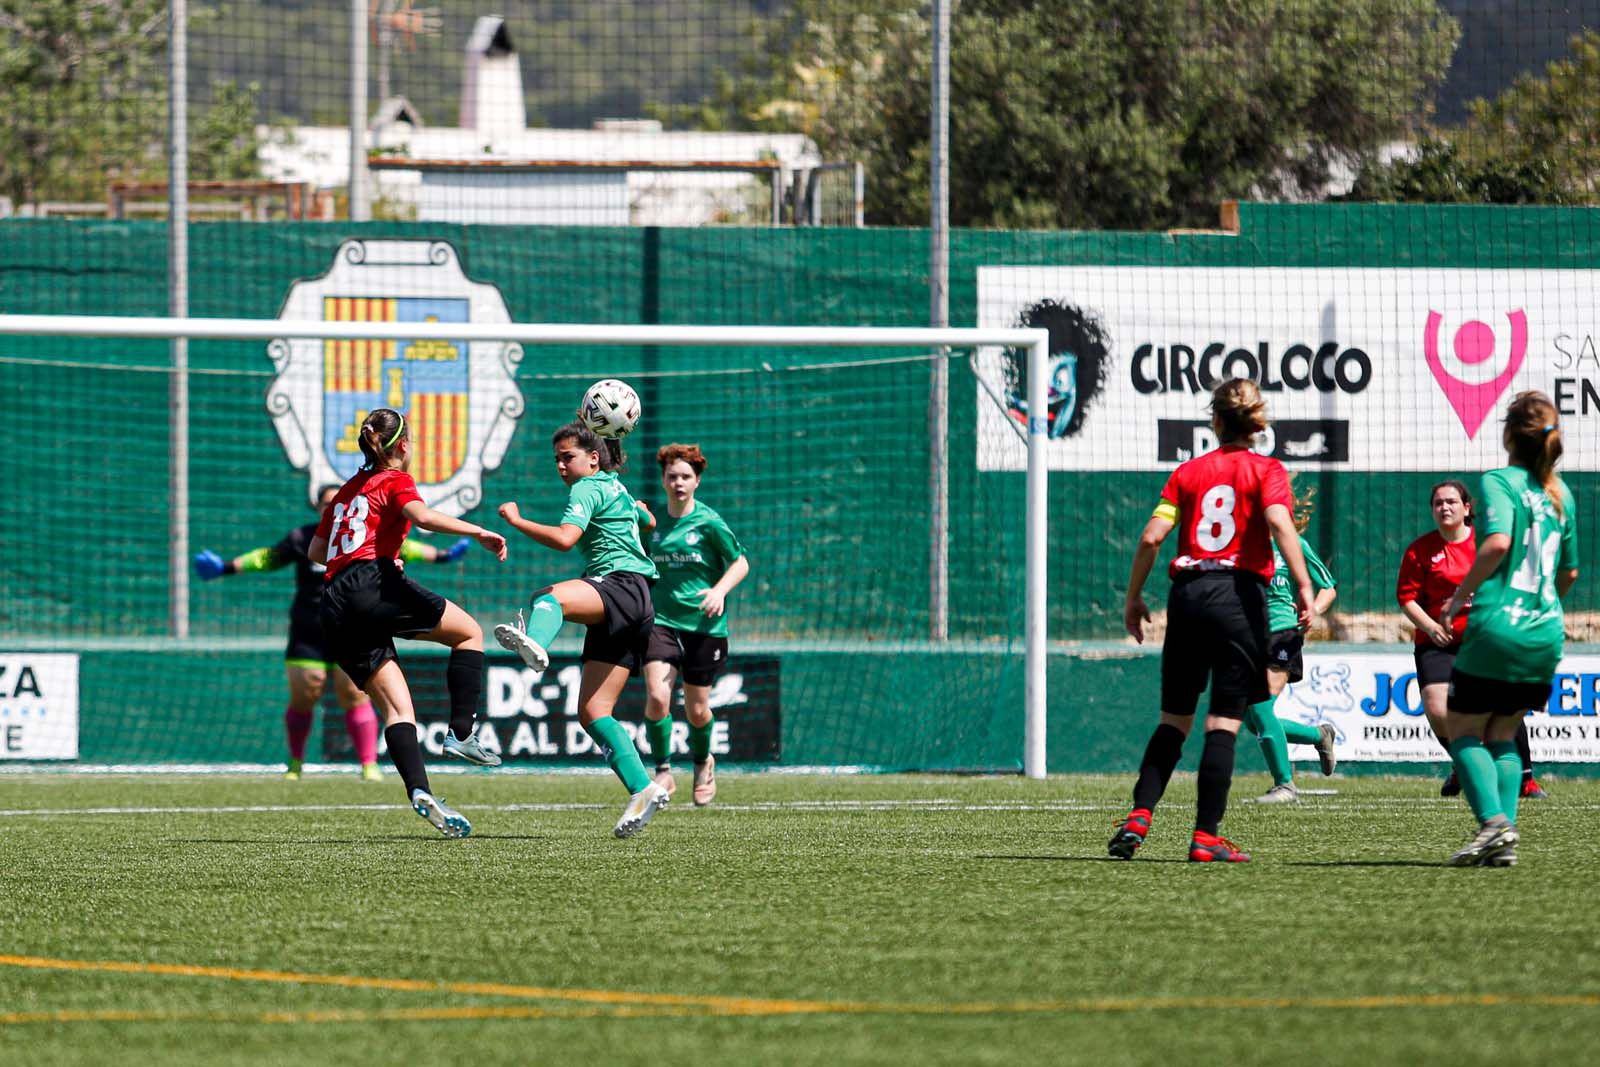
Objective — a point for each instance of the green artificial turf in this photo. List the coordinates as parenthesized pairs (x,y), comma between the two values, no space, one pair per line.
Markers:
(816,920)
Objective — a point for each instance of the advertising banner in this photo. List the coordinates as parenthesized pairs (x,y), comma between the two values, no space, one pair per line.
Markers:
(1362,369)
(38,706)
(532,717)
(1371,699)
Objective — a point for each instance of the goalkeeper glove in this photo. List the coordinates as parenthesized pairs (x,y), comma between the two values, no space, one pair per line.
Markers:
(455,551)
(208,565)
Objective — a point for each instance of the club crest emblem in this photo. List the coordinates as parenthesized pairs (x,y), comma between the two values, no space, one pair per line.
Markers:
(460,398)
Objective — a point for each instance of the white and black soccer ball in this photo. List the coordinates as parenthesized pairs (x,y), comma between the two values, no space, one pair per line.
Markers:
(610,408)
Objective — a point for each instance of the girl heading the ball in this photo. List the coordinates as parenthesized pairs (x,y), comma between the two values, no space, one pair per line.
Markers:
(612,599)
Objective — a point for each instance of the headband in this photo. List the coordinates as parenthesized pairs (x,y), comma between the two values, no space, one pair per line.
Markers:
(397,434)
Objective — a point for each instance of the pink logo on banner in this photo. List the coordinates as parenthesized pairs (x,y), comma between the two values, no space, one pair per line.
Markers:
(1474,343)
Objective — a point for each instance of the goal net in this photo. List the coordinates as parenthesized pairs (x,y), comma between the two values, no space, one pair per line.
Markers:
(844,650)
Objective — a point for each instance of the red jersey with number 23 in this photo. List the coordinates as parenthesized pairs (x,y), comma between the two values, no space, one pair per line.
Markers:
(366,520)
(1222,499)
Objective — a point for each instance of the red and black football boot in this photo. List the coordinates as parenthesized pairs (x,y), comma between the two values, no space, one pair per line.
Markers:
(1209,848)
(1130,834)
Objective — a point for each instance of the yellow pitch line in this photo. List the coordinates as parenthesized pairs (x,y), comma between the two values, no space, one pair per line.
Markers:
(503,1011)
(624,1003)
(716,1004)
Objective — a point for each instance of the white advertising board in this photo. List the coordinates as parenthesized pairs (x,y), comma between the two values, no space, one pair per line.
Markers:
(1362,369)
(1372,702)
(38,706)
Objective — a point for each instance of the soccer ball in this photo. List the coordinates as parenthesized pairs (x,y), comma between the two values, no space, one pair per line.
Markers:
(610,408)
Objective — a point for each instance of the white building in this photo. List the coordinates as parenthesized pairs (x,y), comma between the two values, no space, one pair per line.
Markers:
(493,169)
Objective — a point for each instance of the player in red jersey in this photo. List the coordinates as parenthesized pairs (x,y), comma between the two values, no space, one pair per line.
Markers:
(368,601)
(310,670)
(1228,506)
(1431,569)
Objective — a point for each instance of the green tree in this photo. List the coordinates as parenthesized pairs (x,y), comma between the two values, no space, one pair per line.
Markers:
(1538,142)
(1094,113)
(84,99)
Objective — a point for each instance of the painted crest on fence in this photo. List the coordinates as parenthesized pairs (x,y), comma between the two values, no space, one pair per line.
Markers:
(459,397)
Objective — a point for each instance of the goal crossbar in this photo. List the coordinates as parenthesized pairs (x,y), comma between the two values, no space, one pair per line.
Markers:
(1036,341)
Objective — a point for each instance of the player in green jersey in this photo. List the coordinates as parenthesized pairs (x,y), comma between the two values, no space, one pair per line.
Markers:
(1527,560)
(1285,643)
(612,599)
(700,561)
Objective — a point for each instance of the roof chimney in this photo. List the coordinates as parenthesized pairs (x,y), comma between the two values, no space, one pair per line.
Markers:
(491,90)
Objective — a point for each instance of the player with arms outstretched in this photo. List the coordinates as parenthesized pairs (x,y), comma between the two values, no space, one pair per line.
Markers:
(1228,506)
(1285,666)
(701,561)
(612,599)
(1527,559)
(306,658)
(368,601)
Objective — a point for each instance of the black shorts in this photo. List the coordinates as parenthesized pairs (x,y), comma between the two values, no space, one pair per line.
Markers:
(366,607)
(1471,694)
(1284,653)
(698,657)
(306,644)
(1216,629)
(625,634)
(1434,664)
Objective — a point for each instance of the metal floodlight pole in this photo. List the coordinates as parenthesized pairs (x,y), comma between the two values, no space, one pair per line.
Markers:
(1037,343)
(939,316)
(360,205)
(178,307)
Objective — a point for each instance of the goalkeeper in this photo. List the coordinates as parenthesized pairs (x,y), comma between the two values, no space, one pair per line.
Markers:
(306,659)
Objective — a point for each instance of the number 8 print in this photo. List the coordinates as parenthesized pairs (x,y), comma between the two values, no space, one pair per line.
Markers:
(1215,530)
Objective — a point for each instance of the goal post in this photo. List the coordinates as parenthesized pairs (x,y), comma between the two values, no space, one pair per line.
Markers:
(1033,341)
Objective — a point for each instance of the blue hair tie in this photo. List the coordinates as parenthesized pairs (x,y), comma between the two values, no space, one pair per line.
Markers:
(1547,429)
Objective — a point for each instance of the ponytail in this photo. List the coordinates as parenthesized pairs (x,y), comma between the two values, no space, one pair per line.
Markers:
(381,433)
(1238,410)
(1533,440)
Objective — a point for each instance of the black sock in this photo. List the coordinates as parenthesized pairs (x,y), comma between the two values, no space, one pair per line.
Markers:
(1216,775)
(464,677)
(407,756)
(1524,750)
(1444,742)
(1155,770)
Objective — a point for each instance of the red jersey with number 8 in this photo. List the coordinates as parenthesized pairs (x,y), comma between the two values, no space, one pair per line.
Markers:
(1221,500)
(366,520)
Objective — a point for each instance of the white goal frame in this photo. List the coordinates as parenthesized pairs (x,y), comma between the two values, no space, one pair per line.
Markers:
(1036,341)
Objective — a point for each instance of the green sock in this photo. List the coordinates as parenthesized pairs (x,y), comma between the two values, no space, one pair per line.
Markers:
(1475,770)
(700,741)
(544,620)
(1508,769)
(1299,733)
(621,756)
(1274,749)
(659,733)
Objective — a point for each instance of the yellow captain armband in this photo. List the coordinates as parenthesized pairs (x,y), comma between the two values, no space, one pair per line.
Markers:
(1166,510)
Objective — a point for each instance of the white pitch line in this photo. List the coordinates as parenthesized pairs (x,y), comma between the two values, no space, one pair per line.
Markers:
(797,806)
(760,806)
